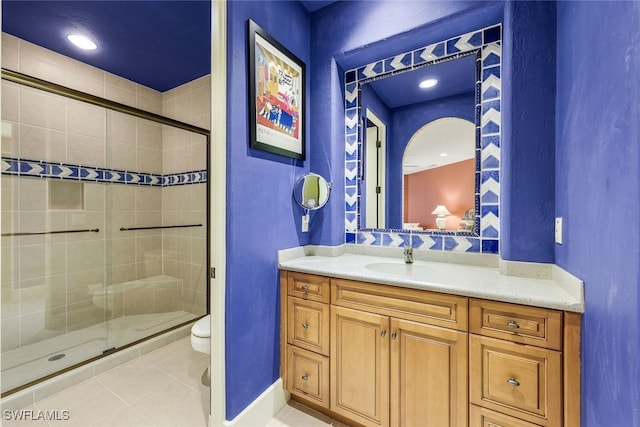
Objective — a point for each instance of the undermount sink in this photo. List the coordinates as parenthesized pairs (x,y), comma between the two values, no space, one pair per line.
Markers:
(401,269)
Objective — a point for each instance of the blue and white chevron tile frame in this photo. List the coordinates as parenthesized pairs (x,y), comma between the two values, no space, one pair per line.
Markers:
(488,42)
(53,170)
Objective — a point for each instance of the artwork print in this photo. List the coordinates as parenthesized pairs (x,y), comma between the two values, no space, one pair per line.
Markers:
(276,96)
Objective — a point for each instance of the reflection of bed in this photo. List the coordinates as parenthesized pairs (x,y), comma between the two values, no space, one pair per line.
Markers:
(411,226)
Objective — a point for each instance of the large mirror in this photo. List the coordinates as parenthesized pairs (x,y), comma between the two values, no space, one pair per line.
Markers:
(420,155)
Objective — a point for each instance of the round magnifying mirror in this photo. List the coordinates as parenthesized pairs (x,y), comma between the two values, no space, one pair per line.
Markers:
(312,191)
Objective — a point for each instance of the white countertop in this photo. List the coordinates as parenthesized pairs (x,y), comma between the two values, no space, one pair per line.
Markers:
(561,291)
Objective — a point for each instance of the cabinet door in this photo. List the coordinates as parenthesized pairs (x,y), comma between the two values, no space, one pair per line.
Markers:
(428,375)
(360,366)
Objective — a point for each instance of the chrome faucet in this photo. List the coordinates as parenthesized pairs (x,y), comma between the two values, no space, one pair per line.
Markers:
(408,254)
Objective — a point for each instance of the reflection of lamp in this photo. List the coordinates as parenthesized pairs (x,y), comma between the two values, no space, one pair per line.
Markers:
(442,213)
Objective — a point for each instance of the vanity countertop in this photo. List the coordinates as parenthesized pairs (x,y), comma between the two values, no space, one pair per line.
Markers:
(558,292)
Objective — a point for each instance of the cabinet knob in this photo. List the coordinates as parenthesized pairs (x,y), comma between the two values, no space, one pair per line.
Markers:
(305,377)
(513,382)
(305,288)
(513,325)
(383,333)
(394,334)
(305,325)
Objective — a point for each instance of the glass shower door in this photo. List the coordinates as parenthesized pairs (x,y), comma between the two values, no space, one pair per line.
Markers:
(53,234)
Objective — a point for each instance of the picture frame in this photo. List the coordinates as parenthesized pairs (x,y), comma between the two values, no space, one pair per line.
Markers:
(276,96)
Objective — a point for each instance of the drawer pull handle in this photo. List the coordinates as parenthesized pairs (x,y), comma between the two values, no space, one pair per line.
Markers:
(305,377)
(305,325)
(383,333)
(513,325)
(514,382)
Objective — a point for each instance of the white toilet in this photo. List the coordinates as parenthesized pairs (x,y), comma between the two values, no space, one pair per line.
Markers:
(201,335)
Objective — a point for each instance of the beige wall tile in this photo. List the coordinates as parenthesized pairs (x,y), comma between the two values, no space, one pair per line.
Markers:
(85,150)
(121,197)
(121,128)
(86,256)
(10,52)
(9,195)
(10,139)
(34,328)
(42,63)
(94,196)
(148,199)
(198,159)
(169,107)
(122,273)
(149,134)
(148,104)
(39,143)
(86,119)
(78,288)
(119,82)
(122,156)
(85,78)
(117,220)
(138,302)
(122,251)
(184,107)
(39,109)
(119,94)
(10,101)
(149,160)
(10,265)
(33,195)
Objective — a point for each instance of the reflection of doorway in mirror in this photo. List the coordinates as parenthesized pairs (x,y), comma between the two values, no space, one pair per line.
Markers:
(375,171)
(439,169)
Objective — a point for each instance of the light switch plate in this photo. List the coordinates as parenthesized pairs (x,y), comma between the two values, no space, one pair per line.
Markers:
(559,230)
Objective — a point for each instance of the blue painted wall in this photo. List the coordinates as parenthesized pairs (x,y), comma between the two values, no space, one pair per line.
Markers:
(528,127)
(598,194)
(406,122)
(262,216)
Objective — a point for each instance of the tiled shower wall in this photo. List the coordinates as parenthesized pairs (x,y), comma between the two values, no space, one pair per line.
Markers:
(46,279)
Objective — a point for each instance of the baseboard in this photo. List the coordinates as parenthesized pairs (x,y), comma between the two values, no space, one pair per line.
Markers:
(263,409)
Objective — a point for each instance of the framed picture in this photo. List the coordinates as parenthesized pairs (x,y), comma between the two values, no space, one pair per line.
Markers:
(276,96)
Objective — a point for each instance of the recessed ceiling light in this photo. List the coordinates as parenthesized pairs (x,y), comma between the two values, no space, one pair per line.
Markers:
(82,42)
(427,83)
(443,154)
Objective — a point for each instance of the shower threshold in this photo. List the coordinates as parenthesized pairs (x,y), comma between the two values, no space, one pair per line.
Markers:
(31,362)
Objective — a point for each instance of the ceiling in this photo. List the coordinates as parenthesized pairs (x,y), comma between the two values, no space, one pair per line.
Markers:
(135,38)
(158,44)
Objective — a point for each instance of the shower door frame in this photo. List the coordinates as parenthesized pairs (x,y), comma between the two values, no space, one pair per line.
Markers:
(36,83)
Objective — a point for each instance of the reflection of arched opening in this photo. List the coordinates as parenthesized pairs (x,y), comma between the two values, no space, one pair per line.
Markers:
(438,168)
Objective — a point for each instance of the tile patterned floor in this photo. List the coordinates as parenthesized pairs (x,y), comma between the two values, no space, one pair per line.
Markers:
(162,388)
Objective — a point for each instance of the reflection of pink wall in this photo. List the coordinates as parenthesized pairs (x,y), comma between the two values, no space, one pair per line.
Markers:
(452,185)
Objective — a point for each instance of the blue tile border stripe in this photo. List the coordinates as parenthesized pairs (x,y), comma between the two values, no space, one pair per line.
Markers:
(486,41)
(54,170)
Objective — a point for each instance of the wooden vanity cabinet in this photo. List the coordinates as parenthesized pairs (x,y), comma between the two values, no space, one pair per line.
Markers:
(375,355)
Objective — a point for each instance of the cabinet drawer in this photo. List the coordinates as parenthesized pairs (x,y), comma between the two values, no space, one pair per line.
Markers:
(449,311)
(518,380)
(308,325)
(482,417)
(308,375)
(526,325)
(308,286)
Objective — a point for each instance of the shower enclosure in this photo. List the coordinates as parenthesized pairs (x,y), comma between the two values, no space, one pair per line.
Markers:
(104,227)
